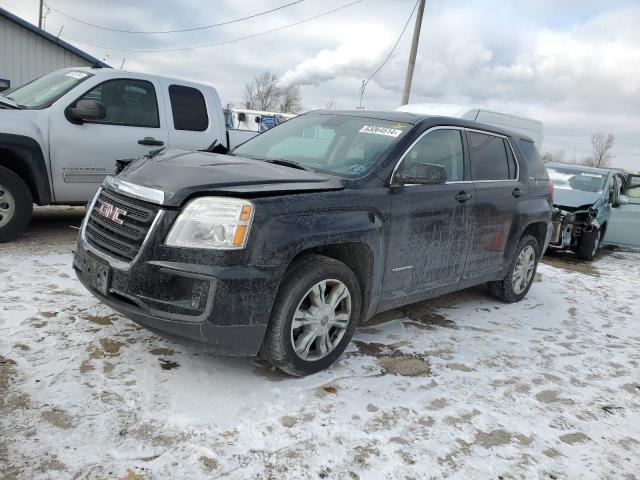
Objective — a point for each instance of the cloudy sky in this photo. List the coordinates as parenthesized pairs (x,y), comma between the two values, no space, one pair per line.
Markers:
(573,64)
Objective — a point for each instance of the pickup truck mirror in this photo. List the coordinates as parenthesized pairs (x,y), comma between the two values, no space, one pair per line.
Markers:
(86,110)
(423,174)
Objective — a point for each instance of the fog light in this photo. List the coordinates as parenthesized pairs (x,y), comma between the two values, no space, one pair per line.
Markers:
(199,293)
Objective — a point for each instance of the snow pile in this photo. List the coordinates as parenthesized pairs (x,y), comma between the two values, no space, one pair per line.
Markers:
(464,387)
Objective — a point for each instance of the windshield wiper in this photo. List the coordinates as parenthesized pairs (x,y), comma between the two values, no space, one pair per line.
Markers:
(287,163)
(13,103)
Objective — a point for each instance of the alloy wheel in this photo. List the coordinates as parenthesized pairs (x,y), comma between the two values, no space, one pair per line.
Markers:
(321,319)
(596,243)
(523,270)
(7,206)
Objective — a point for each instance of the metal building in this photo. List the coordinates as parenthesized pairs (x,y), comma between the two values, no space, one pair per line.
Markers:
(27,52)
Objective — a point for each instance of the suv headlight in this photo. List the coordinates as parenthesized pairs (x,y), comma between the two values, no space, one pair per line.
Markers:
(219,223)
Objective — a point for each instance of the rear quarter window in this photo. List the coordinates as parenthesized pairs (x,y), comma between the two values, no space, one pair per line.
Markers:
(189,108)
(535,165)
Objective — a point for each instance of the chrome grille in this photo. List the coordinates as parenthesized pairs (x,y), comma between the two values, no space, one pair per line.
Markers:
(122,241)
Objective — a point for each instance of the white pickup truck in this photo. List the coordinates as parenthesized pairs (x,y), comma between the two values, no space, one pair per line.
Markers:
(61,134)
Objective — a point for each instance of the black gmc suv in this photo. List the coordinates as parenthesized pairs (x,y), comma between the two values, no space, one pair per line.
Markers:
(284,245)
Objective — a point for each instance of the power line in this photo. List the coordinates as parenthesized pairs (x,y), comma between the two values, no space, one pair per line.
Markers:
(226,42)
(404,29)
(203,27)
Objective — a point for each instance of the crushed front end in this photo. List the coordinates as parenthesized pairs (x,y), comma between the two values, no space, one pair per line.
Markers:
(568,225)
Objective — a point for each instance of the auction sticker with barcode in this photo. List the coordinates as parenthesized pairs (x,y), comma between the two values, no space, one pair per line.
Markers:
(389,132)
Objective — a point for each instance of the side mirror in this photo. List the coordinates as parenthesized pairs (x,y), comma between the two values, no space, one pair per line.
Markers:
(86,111)
(423,174)
(622,200)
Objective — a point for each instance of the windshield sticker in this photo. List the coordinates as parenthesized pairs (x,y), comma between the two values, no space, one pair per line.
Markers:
(357,169)
(76,75)
(592,175)
(389,132)
(400,125)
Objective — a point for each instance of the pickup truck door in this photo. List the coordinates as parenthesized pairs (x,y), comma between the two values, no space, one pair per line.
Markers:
(82,154)
(430,225)
(623,226)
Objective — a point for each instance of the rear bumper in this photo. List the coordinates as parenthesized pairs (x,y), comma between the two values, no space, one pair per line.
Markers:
(225,307)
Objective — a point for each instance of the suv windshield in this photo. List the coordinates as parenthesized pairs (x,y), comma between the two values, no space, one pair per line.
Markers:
(570,179)
(341,144)
(43,91)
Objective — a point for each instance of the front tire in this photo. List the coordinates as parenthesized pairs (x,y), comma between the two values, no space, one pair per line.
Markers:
(16,205)
(515,285)
(589,244)
(316,311)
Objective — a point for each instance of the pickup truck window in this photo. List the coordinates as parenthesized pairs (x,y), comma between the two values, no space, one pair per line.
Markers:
(489,159)
(441,147)
(189,108)
(341,144)
(127,102)
(43,91)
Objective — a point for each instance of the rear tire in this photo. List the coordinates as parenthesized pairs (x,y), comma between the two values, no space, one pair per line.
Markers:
(307,295)
(516,284)
(16,205)
(589,244)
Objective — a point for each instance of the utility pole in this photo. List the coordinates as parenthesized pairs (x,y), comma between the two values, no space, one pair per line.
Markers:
(412,56)
(40,16)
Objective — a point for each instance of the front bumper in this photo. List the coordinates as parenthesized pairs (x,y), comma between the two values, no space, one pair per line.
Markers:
(568,226)
(226,307)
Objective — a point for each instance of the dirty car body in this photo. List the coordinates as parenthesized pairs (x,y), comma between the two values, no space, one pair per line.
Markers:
(401,239)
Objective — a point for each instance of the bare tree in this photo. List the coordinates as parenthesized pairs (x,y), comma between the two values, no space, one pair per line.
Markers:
(263,93)
(290,99)
(330,103)
(557,157)
(602,150)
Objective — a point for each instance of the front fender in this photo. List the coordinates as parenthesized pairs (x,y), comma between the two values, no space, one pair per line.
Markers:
(283,237)
(31,164)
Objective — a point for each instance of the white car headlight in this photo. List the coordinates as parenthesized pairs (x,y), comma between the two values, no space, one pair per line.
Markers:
(220,223)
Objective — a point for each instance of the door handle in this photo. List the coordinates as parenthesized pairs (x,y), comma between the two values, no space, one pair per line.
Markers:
(516,192)
(151,142)
(463,196)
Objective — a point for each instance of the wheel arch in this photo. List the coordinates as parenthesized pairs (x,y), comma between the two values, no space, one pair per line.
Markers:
(537,230)
(358,256)
(23,156)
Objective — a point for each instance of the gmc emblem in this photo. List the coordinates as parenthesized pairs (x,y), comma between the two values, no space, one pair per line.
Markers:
(112,213)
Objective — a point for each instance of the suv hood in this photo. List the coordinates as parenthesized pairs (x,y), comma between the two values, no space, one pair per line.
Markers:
(564,197)
(181,174)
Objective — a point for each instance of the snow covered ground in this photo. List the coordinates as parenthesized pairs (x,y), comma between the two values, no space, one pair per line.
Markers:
(461,387)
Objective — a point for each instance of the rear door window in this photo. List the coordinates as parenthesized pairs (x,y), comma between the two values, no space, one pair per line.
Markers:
(189,108)
(535,165)
(489,158)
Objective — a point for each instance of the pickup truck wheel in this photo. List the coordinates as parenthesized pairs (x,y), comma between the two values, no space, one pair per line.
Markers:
(16,205)
(519,278)
(589,244)
(315,314)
